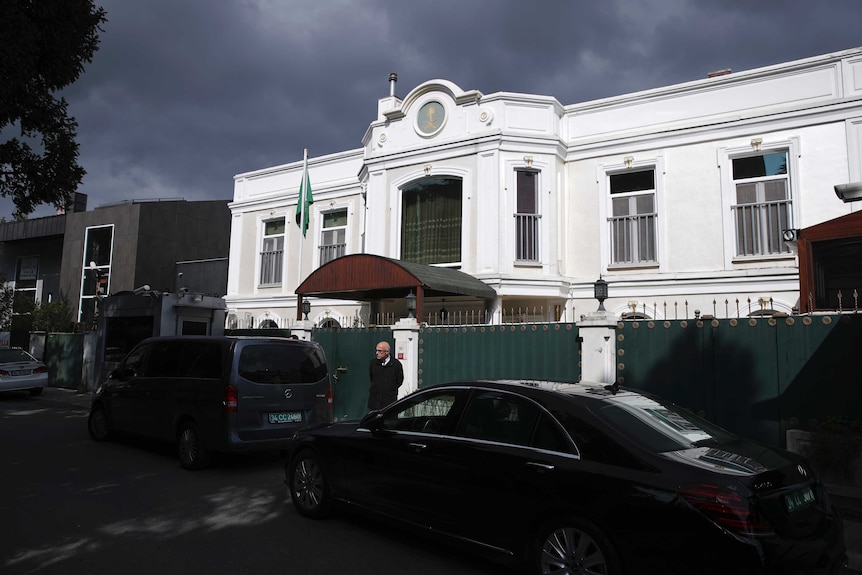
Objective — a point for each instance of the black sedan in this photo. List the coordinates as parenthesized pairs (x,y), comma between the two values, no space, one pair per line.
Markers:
(573,478)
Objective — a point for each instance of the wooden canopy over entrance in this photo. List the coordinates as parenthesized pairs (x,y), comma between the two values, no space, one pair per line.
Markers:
(371,277)
(830,262)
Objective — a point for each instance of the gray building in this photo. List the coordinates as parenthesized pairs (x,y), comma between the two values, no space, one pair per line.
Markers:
(81,257)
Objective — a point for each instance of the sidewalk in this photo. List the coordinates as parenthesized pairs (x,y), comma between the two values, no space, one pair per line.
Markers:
(851,506)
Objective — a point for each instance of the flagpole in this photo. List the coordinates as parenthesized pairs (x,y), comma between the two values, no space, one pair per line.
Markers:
(303,186)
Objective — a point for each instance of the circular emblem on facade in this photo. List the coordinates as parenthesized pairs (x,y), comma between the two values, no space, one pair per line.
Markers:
(431,118)
(288,393)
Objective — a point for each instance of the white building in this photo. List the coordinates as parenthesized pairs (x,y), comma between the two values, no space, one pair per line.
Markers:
(677,196)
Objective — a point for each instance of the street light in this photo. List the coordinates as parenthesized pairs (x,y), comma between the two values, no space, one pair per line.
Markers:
(306,307)
(600,291)
(410,300)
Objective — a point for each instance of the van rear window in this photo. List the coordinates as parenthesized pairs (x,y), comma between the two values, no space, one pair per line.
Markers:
(278,363)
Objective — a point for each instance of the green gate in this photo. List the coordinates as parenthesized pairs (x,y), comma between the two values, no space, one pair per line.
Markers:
(348,353)
(756,377)
(548,351)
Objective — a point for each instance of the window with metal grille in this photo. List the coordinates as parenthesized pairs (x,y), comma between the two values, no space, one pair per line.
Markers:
(333,236)
(272,252)
(763,204)
(633,217)
(526,216)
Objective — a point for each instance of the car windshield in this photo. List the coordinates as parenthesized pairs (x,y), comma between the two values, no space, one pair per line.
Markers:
(10,355)
(661,427)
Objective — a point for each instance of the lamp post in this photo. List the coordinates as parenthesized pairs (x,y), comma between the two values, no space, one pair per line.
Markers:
(600,291)
(306,307)
(410,300)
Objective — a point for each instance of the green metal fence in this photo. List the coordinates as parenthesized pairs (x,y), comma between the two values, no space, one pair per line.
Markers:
(531,351)
(757,377)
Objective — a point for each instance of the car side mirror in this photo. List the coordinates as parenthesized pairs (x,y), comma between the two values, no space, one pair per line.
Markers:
(373,420)
(122,373)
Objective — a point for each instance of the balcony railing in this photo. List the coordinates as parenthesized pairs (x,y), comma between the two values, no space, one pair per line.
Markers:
(527,237)
(271,267)
(759,228)
(633,238)
(330,252)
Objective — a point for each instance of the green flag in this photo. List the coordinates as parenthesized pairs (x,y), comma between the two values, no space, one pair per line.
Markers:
(303,203)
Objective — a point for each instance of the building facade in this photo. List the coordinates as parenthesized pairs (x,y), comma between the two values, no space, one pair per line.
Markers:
(682,198)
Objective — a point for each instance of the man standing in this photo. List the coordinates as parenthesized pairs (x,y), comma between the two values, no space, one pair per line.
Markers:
(386,376)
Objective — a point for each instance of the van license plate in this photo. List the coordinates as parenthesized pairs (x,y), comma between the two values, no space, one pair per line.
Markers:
(798,499)
(286,417)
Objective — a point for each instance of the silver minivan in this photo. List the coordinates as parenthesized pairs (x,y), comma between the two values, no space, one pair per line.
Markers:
(214,394)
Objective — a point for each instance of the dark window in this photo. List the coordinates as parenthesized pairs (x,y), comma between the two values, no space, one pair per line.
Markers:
(431,221)
(500,417)
(549,436)
(526,216)
(595,445)
(135,360)
(124,333)
(428,413)
(202,359)
(164,359)
(276,363)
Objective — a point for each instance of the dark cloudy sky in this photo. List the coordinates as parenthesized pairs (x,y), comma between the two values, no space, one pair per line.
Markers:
(184,94)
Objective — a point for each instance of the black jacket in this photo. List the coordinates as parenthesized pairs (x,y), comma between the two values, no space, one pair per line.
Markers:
(385,381)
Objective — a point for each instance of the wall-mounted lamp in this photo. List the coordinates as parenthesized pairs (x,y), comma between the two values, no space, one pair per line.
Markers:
(528,160)
(628,160)
(306,307)
(600,292)
(410,300)
(427,169)
(756,143)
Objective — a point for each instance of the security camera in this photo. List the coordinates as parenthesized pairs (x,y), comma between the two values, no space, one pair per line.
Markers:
(141,290)
(182,291)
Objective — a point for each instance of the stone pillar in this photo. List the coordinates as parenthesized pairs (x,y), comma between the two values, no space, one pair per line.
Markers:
(302,329)
(405,332)
(598,346)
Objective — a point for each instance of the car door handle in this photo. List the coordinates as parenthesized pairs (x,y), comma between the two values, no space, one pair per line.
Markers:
(540,467)
(417,447)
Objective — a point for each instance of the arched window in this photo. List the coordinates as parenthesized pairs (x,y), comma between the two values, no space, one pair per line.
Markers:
(268,324)
(431,221)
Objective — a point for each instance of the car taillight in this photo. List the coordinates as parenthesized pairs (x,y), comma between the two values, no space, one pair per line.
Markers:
(231,397)
(41,369)
(727,508)
(329,397)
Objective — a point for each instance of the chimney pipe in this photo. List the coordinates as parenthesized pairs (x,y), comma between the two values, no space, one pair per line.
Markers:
(393,77)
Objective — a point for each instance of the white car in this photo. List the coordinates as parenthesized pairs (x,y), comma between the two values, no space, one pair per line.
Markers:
(20,371)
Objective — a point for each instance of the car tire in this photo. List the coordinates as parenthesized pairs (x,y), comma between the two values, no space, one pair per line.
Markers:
(573,545)
(309,486)
(35,390)
(190,450)
(98,423)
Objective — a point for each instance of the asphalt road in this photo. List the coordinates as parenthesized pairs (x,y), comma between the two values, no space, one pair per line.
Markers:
(70,505)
